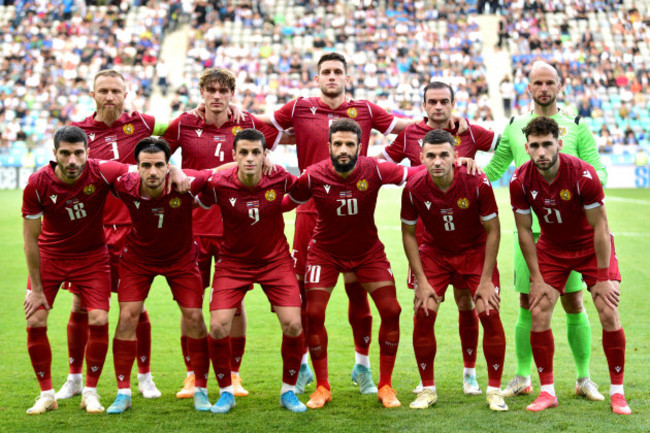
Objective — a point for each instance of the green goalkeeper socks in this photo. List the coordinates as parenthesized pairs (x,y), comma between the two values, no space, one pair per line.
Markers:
(523,351)
(579,336)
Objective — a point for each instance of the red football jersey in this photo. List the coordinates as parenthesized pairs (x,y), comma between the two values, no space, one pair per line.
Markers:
(162,227)
(206,146)
(408,143)
(116,143)
(252,218)
(72,214)
(560,206)
(346,207)
(453,218)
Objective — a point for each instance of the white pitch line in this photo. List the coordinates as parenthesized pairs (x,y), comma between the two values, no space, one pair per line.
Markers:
(626,200)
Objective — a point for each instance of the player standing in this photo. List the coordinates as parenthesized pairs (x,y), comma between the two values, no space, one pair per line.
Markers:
(568,199)
(68,245)
(438,104)
(112,135)
(254,249)
(208,143)
(544,86)
(345,189)
(160,243)
(460,245)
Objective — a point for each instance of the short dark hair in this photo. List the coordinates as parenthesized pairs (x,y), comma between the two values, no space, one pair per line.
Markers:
(334,57)
(70,134)
(437,85)
(152,145)
(345,125)
(438,136)
(249,134)
(542,126)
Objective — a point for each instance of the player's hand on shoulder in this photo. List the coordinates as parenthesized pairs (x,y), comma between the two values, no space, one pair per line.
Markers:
(269,167)
(179,180)
(459,121)
(472,166)
(607,291)
(198,111)
(33,301)
(238,115)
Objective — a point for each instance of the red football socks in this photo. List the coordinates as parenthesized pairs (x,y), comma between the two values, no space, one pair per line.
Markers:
(220,355)
(96,353)
(614,346)
(317,338)
(77,339)
(468,331)
(143,335)
(360,317)
(494,346)
(237,346)
(386,301)
(292,348)
(198,348)
(40,354)
(424,345)
(543,347)
(124,353)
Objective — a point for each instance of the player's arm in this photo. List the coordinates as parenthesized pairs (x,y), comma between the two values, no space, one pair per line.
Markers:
(597,218)
(35,297)
(588,152)
(486,290)
(423,290)
(501,159)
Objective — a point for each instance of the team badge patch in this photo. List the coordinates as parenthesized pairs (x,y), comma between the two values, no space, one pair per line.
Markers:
(270,195)
(362,185)
(236,129)
(456,141)
(352,113)
(175,202)
(565,194)
(128,129)
(89,189)
(562,131)
(463,203)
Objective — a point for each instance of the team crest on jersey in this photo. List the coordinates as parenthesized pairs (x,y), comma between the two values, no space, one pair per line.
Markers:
(236,129)
(270,195)
(175,202)
(352,113)
(128,129)
(565,195)
(456,141)
(562,131)
(463,203)
(362,185)
(89,189)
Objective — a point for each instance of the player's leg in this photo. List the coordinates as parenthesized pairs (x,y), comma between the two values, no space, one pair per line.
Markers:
(125,349)
(384,295)
(543,347)
(304,227)
(317,299)
(424,346)
(77,333)
(521,384)
(237,346)
(197,345)
(579,337)
(360,318)
(292,344)
(468,331)
(146,385)
(219,348)
(40,354)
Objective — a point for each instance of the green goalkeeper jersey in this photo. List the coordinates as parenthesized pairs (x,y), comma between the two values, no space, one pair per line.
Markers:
(577,140)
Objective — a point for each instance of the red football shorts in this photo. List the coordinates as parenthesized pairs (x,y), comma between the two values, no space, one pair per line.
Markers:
(232,279)
(115,236)
(91,276)
(323,269)
(183,277)
(556,265)
(462,270)
(304,229)
(209,247)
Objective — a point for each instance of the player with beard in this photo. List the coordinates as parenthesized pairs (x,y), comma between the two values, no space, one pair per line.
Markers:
(345,188)
(311,119)
(438,103)
(568,199)
(112,135)
(544,87)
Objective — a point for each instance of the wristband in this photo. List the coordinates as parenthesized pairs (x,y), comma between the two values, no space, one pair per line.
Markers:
(603,274)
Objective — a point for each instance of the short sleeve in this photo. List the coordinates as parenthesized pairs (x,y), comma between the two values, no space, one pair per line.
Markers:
(111,170)
(487,203)
(283,118)
(518,199)
(271,134)
(409,213)
(32,208)
(396,151)
(381,120)
(485,140)
(199,179)
(391,173)
(590,188)
(173,134)
(300,191)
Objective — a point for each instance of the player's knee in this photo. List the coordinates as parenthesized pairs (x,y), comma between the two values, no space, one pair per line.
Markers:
(608,316)
(292,327)
(97,317)
(390,312)
(463,299)
(572,302)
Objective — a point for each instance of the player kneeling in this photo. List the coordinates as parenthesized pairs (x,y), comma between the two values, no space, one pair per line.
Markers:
(254,250)
(460,245)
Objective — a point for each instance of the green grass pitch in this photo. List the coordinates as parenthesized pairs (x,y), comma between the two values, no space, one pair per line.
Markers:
(349,411)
